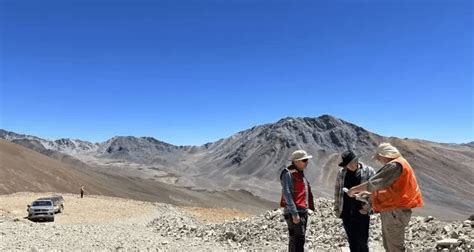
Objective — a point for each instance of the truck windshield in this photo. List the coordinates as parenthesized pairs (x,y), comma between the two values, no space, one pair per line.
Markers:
(42,203)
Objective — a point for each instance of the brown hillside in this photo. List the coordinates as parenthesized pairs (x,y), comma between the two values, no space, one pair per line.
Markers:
(24,170)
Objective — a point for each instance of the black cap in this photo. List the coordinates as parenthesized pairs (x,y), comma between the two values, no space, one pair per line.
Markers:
(347,157)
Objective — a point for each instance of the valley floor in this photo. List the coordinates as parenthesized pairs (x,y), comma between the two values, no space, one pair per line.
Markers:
(108,223)
(99,222)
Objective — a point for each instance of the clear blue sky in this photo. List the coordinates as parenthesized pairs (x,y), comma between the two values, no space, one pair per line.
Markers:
(191,72)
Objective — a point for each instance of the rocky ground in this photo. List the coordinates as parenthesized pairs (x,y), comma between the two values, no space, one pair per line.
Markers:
(97,223)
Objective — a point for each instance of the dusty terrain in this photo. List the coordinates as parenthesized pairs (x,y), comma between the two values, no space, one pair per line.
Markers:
(91,209)
(102,209)
(108,223)
(98,222)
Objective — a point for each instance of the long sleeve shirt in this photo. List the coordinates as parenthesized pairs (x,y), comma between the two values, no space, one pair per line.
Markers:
(287,187)
(384,177)
(365,172)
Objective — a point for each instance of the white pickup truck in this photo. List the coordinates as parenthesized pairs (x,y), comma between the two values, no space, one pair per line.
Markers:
(41,210)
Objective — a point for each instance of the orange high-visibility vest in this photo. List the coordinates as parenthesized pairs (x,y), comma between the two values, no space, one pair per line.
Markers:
(403,193)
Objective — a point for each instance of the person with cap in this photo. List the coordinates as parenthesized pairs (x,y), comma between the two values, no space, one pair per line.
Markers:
(354,213)
(296,199)
(395,192)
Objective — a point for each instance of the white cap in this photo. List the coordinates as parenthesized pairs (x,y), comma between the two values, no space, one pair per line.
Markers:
(300,155)
(387,150)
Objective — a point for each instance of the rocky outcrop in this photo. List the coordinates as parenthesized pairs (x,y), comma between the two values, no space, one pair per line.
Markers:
(151,226)
(325,231)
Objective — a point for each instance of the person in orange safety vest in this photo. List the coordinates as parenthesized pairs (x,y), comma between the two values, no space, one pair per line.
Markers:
(395,192)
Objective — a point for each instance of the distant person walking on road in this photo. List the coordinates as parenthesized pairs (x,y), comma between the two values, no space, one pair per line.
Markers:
(82,191)
(296,199)
(354,213)
(394,193)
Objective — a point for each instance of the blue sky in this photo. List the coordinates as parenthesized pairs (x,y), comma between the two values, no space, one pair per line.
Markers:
(191,72)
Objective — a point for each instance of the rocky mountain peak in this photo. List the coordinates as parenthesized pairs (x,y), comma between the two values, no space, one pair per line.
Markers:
(321,124)
(324,132)
(136,149)
(326,122)
(68,145)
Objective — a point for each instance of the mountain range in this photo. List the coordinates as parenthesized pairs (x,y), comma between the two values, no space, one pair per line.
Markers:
(250,161)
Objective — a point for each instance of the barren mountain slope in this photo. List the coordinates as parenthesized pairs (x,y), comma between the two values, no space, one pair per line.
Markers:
(22,169)
(252,159)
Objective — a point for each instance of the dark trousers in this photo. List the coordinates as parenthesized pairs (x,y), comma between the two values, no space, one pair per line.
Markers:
(357,230)
(82,194)
(296,232)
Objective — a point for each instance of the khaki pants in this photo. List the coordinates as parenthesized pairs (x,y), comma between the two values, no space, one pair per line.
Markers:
(393,229)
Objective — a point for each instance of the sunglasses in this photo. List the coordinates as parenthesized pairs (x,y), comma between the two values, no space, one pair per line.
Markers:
(304,160)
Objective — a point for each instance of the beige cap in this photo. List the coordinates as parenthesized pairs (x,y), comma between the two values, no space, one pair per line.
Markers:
(300,155)
(387,150)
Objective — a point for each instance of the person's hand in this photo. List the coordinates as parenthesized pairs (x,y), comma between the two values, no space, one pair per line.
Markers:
(364,194)
(358,197)
(296,218)
(351,193)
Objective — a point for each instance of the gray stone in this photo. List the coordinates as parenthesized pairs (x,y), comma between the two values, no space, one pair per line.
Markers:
(447,229)
(429,218)
(446,243)
(454,235)
(467,223)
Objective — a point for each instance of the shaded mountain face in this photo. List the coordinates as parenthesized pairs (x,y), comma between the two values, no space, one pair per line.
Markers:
(263,150)
(252,160)
(145,150)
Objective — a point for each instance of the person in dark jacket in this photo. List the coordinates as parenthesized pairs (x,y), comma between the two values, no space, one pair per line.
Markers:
(354,213)
(296,199)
